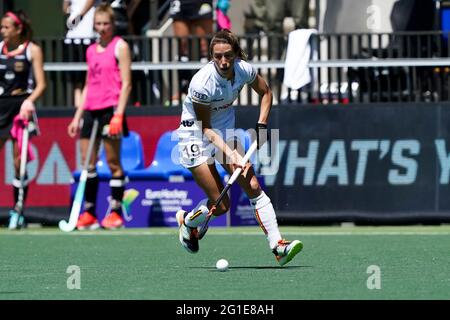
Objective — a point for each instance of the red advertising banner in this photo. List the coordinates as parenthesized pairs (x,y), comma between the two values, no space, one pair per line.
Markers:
(57,156)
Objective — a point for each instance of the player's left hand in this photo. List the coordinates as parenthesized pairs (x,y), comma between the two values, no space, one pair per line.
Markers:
(26,109)
(115,125)
(73,21)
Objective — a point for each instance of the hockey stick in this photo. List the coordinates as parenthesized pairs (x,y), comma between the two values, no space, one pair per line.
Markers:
(18,207)
(230,182)
(33,125)
(79,194)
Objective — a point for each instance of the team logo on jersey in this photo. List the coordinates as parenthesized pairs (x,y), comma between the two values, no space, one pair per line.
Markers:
(199,96)
(19,66)
(9,75)
(187,123)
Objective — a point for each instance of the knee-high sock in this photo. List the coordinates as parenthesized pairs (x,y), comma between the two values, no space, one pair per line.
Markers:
(265,214)
(91,191)
(197,215)
(16,187)
(117,185)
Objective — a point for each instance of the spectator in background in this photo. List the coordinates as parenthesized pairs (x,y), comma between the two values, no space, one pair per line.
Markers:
(132,16)
(120,16)
(22,82)
(139,18)
(80,32)
(138,12)
(268,15)
(222,19)
(105,97)
(191,17)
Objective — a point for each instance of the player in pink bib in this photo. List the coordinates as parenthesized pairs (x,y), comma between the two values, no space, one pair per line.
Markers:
(105,96)
(103,76)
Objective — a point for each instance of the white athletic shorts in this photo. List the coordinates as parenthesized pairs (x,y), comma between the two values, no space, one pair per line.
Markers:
(194,149)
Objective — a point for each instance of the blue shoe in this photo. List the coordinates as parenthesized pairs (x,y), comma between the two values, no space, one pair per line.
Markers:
(13,220)
(16,221)
(21,223)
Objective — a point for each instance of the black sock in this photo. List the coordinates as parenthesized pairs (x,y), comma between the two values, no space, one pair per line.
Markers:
(91,191)
(117,185)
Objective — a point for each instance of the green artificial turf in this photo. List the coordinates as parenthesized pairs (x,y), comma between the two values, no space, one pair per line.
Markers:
(150,264)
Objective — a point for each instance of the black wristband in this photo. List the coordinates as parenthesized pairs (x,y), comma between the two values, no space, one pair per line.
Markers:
(261,126)
(262,134)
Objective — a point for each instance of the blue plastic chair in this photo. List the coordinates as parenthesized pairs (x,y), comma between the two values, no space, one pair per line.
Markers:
(163,166)
(132,157)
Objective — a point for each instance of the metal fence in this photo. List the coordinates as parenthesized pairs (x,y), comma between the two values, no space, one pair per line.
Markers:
(345,68)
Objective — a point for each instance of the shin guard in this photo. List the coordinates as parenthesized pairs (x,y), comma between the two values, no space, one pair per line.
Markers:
(265,215)
(197,215)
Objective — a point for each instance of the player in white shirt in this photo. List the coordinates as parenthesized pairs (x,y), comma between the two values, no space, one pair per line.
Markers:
(209,89)
(207,113)
(80,34)
(80,22)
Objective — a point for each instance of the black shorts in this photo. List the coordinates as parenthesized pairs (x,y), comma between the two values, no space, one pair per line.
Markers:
(9,108)
(191,9)
(104,116)
(74,50)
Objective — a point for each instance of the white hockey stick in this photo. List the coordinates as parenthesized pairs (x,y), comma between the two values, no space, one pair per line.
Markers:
(18,207)
(79,194)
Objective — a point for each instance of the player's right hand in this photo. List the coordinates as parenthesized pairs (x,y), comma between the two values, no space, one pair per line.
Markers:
(236,162)
(26,109)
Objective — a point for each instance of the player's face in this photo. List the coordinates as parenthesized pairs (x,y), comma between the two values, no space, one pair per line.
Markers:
(103,25)
(223,56)
(8,29)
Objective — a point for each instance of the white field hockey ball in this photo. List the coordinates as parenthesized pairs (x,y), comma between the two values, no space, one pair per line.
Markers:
(222,265)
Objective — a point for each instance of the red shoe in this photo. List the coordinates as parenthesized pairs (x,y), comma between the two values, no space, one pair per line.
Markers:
(87,221)
(113,221)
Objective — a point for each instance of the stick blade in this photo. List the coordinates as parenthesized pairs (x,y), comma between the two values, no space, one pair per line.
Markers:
(65,226)
(76,206)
